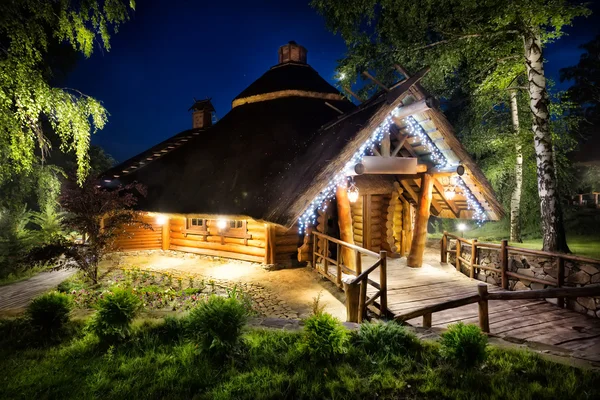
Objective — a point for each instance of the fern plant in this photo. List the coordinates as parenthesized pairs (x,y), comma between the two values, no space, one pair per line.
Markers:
(464,344)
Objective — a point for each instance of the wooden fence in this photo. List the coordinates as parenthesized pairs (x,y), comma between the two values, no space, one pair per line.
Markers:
(356,282)
(505,252)
(483,296)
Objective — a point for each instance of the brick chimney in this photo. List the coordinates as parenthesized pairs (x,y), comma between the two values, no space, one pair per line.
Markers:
(292,52)
(202,111)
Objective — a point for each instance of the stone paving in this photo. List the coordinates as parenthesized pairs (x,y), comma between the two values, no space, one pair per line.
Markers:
(284,293)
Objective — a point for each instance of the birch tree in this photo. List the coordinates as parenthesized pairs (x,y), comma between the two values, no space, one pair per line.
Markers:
(28,29)
(446,33)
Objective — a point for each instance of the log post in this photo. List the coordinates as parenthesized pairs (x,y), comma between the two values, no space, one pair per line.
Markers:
(358,263)
(458,253)
(417,248)
(444,246)
(504,263)
(427,320)
(166,234)
(406,227)
(345,224)
(560,278)
(484,321)
(338,277)
(352,300)
(269,244)
(383,283)
(473,258)
(362,300)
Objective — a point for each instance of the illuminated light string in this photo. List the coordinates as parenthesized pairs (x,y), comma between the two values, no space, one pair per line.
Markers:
(309,217)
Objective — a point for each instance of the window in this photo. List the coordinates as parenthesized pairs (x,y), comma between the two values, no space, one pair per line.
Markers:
(196,225)
(235,229)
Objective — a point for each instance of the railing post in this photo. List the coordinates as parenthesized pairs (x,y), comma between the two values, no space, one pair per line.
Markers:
(315,249)
(358,263)
(325,255)
(473,258)
(383,283)
(458,255)
(362,300)
(338,278)
(560,278)
(504,263)
(484,318)
(352,299)
(444,255)
(427,320)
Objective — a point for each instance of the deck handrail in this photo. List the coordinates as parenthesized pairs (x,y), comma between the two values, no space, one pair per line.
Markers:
(483,296)
(505,252)
(346,244)
(356,288)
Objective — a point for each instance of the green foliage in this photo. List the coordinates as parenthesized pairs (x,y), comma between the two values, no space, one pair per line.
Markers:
(49,312)
(115,312)
(464,344)
(384,339)
(153,365)
(31,30)
(217,323)
(15,239)
(325,338)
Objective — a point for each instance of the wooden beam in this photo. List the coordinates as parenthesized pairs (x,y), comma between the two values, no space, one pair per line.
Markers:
(414,108)
(417,248)
(438,186)
(399,146)
(270,238)
(386,144)
(378,83)
(410,191)
(405,86)
(347,256)
(166,234)
(386,166)
(347,89)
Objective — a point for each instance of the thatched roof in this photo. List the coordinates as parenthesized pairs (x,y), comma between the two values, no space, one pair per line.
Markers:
(268,158)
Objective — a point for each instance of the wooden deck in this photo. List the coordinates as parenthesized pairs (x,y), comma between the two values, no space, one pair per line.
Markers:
(514,320)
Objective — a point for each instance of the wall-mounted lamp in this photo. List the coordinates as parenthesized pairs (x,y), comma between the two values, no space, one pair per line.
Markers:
(221,223)
(161,219)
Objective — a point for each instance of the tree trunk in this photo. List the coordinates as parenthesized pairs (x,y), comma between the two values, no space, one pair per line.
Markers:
(515,199)
(419,239)
(552,219)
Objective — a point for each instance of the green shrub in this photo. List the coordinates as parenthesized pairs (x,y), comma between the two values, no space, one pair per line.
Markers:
(217,323)
(115,312)
(325,338)
(464,344)
(385,338)
(49,312)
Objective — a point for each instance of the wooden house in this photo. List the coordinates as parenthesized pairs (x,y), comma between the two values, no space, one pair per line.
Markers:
(290,157)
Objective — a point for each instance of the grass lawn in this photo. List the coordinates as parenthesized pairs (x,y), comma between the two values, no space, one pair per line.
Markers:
(160,361)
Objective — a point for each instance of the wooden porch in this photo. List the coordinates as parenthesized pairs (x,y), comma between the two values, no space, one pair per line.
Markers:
(412,289)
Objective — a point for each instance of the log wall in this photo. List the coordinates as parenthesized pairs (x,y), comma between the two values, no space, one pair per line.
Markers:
(137,238)
(357,220)
(211,245)
(287,242)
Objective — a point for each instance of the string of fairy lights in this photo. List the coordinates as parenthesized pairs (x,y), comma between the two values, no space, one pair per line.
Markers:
(309,217)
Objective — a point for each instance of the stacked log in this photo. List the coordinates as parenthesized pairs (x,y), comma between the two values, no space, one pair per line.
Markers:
(214,245)
(357,220)
(287,242)
(138,238)
(389,243)
(376,222)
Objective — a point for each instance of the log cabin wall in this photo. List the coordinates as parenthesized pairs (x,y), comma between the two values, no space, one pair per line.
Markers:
(287,243)
(137,238)
(214,245)
(377,223)
(357,220)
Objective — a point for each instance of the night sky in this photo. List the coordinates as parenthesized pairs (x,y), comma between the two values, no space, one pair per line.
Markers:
(171,52)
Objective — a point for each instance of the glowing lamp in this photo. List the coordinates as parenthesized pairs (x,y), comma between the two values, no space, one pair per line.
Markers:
(352,193)
(462,228)
(161,219)
(221,223)
(449,194)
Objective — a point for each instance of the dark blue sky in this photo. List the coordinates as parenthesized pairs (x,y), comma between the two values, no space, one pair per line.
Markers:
(171,52)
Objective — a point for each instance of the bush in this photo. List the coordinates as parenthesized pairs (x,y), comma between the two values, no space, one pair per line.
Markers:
(218,323)
(464,344)
(385,338)
(49,312)
(115,312)
(325,338)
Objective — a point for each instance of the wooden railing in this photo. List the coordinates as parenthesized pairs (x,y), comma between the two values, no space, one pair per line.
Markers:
(505,252)
(356,281)
(483,296)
